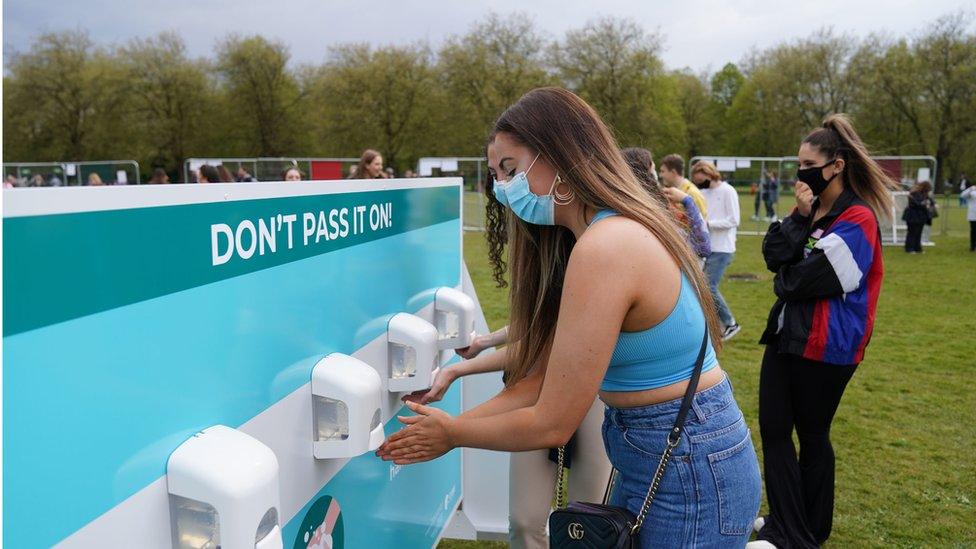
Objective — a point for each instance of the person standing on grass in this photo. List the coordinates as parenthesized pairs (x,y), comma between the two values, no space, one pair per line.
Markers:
(532,474)
(723,220)
(608,300)
(970,195)
(826,256)
(917,215)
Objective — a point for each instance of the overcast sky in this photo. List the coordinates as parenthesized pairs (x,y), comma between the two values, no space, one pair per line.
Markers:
(701,34)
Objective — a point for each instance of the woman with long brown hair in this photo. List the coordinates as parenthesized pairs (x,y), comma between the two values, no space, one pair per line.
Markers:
(532,474)
(224,175)
(826,256)
(606,299)
(370,166)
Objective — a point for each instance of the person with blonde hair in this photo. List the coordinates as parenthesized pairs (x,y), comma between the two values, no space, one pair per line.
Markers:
(827,265)
(94,180)
(607,299)
(723,220)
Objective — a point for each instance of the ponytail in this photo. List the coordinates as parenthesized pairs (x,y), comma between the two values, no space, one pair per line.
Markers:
(837,139)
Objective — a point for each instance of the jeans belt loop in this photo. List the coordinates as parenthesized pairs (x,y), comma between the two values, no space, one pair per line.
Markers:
(699,411)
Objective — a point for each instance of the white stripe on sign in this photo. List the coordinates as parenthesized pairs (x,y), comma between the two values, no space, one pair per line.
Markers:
(842,260)
(58,200)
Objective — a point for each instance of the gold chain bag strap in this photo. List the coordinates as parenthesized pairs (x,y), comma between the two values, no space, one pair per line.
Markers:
(581,524)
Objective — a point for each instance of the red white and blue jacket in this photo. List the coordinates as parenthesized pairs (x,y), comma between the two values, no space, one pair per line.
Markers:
(827,282)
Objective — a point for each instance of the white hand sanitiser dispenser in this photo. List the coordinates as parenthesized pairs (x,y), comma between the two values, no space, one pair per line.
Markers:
(346,407)
(223,492)
(454,313)
(413,353)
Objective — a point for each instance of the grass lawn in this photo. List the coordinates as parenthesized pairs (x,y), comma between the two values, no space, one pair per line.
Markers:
(905,433)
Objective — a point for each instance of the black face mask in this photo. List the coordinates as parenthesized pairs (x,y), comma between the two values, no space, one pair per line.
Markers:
(813,177)
(704,184)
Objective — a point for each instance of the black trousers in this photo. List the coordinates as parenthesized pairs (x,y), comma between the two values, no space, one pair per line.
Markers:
(972,235)
(803,394)
(913,239)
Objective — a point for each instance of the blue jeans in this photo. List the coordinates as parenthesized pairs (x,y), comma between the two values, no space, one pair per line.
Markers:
(710,492)
(715,266)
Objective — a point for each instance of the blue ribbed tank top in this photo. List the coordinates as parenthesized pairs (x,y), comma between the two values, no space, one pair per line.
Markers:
(664,353)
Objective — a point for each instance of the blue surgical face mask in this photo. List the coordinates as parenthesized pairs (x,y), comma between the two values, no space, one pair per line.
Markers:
(530,207)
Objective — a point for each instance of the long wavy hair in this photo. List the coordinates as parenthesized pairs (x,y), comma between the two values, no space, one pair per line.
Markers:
(365,160)
(572,137)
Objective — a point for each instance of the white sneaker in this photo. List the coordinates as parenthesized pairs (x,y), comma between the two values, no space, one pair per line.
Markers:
(758,524)
(754,218)
(760,544)
(730,331)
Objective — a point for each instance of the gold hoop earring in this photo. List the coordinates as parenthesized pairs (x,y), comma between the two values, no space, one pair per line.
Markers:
(563,199)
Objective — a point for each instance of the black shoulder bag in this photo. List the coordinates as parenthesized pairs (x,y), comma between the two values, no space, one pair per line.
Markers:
(598,526)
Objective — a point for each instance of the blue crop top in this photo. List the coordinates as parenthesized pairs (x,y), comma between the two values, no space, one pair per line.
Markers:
(664,353)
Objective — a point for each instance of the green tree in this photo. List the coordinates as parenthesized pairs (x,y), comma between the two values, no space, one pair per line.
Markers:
(63,101)
(385,99)
(614,65)
(702,115)
(926,86)
(948,84)
(758,123)
(487,69)
(263,97)
(788,90)
(811,77)
(173,98)
(726,84)
(881,102)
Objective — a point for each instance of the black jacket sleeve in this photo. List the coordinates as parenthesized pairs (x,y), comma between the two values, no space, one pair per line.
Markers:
(810,278)
(784,241)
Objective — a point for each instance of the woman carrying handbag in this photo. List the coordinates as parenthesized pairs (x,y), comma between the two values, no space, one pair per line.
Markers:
(608,299)
(918,213)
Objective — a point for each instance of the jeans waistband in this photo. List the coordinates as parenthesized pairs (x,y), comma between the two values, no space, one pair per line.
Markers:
(706,403)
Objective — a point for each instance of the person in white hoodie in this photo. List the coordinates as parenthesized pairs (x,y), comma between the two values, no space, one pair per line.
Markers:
(723,220)
(970,195)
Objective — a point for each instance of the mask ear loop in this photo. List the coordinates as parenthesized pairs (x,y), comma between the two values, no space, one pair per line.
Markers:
(831,163)
(564,198)
(506,184)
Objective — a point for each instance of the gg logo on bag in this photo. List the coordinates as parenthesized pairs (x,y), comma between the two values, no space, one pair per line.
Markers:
(575,531)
